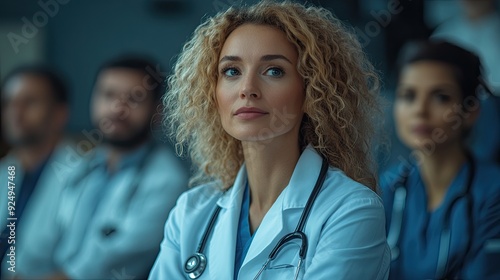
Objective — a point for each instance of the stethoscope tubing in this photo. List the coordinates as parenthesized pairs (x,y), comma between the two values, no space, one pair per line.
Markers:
(196,272)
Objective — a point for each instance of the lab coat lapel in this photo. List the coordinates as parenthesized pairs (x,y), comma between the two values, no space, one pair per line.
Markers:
(222,249)
(269,232)
(284,215)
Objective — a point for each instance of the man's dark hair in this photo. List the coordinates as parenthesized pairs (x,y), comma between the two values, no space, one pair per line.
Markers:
(59,90)
(141,64)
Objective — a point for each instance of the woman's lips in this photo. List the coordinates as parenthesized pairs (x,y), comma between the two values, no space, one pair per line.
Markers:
(249,113)
(423,130)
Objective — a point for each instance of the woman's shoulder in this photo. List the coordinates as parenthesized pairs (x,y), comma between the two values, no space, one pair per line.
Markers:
(343,199)
(343,188)
(201,196)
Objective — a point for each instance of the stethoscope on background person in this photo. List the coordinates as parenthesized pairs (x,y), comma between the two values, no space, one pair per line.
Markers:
(197,263)
(139,175)
(398,208)
(110,227)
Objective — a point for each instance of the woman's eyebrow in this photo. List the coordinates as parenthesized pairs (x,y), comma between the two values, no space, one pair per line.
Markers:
(229,58)
(274,56)
(267,57)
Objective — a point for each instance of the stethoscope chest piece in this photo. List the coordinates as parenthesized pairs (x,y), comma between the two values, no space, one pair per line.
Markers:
(195,265)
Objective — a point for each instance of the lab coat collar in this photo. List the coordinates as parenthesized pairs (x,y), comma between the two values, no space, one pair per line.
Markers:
(294,196)
(289,204)
(226,227)
(233,197)
(296,193)
(303,179)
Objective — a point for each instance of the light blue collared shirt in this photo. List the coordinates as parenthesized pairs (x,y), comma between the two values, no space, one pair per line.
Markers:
(112,221)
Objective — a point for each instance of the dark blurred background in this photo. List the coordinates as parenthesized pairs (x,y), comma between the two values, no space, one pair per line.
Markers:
(76,36)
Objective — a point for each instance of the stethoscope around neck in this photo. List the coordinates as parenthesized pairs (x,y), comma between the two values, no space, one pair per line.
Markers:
(197,263)
(397,217)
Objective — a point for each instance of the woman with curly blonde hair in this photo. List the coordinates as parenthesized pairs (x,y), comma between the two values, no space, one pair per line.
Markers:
(275,103)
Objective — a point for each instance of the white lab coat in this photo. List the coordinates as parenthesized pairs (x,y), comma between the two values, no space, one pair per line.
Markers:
(345,230)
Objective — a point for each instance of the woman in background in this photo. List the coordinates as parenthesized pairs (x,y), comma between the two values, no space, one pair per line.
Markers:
(443,208)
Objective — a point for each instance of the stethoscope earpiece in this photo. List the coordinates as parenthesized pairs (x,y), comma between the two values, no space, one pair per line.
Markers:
(195,265)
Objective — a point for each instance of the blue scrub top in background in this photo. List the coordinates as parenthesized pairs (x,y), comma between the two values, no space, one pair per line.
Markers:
(419,240)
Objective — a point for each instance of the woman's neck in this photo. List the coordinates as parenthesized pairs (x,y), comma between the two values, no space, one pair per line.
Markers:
(269,168)
(439,169)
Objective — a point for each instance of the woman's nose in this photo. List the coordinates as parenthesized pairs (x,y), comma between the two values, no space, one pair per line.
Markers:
(420,106)
(250,87)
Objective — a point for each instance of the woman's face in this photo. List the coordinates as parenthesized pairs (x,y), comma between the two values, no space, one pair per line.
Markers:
(428,109)
(259,91)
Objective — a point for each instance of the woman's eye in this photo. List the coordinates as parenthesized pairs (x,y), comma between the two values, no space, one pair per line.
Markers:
(230,72)
(442,98)
(275,72)
(407,96)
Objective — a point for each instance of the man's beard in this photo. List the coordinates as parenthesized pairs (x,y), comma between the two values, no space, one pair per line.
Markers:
(130,141)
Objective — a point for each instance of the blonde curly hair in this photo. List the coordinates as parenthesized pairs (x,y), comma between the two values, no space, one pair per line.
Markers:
(341,89)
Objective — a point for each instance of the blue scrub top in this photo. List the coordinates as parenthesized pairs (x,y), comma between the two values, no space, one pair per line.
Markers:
(421,231)
(244,238)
